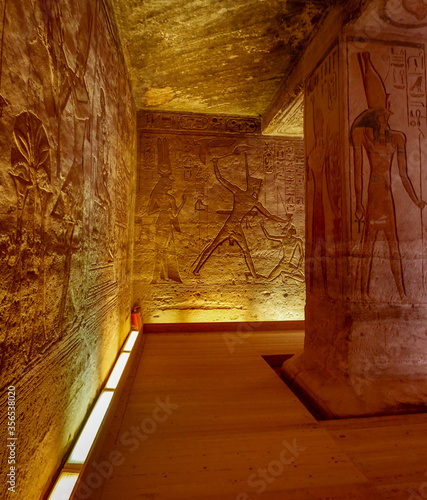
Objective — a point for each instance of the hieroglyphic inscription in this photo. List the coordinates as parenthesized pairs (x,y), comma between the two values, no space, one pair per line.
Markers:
(231,184)
(323,181)
(205,123)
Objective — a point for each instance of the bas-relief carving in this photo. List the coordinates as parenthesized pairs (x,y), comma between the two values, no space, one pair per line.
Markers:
(202,123)
(291,265)
(51,149)
(324,189)
(219,241)
(244,201)
(62,147)
(405,14)
(163,205)
(382,133)
(31,174)
(66,82)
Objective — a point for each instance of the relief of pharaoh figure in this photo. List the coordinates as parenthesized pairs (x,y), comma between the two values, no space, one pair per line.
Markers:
(244,201)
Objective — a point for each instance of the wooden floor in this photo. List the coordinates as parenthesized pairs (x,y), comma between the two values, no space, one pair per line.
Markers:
(235,431)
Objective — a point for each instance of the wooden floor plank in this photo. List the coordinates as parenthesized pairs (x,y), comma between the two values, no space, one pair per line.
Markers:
(234,431)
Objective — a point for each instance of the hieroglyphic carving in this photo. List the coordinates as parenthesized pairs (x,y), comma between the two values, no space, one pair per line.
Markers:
(269,159)
(194,123)
(244,201)
(68,209)
(163,205)
(57,57)
(102,203)
(316,164)
(208,216)
(66,82)
(290,178)
(54,308)
(299,177)
(416,88)
(372,134)
(334,189)
(398,67)
(242,125)
(189,122)
(323,185)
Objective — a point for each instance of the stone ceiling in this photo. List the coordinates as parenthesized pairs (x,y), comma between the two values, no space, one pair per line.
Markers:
(213,56)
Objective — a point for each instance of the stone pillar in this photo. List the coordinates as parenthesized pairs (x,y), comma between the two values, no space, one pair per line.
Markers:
(366,151)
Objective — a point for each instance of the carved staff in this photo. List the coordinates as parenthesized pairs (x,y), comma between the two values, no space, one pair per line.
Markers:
(421,210)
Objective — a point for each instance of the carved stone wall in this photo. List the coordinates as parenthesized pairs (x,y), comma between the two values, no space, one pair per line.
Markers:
(219,227)
(67,153)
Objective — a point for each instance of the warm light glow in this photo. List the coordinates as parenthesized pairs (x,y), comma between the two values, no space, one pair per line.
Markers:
(90,430)
(64,486)
(117,371)
(130,341)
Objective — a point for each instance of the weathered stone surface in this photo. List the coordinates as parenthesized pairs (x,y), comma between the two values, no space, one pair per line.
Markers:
(67,151)
(213,57)
(196,257)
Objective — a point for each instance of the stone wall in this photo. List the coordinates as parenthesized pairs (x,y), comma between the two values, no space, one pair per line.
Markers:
(219,228)
(67,157)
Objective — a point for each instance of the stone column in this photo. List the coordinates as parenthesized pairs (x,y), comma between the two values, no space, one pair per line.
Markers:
(366,151)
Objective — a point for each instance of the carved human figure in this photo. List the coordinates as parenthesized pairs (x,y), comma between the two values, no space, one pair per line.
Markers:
(291,263)
(65,82)
(244,200)
(163,204)
(371,133)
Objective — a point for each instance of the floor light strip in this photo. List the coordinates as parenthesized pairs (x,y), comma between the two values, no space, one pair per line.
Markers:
(90,430)
(64,486)
(66,480)
(130,341)
(116,374)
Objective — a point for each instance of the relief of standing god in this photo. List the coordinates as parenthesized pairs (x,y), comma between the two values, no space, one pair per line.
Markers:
(163,204)
(371,133)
